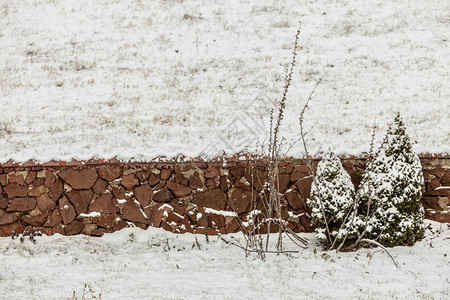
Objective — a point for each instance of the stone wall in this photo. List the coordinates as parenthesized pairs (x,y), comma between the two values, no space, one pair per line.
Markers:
(97,197)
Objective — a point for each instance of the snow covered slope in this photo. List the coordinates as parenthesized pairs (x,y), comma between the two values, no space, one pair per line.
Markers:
(138,79)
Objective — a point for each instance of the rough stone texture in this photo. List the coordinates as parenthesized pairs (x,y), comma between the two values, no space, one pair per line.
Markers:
(177,189)
(14,190)
(45,203)
(143,194)
(22,204)
(215,199)
(79,179)
(129,181)
(132,212)
(33,196)
(162,195)
(109,173)
(80,199)
(104,205)
(66,210)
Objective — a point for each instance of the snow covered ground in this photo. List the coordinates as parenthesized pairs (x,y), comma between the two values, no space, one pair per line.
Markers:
(155,264)
(137,79)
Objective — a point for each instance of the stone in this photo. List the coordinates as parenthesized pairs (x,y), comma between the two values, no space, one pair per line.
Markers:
(56,190)
(181,179)
(223,183)
(3,202)
(16,178)
(232,227)
(75,227)
(156,216)
(37,191)
(50,179)
(143,194)
(109,173)
(295,200)
(80,199)
(104,205)
(162,195)
(437,171)
(66,210)
(22,204)
(195,181)
(129,181)
(30,177)
(304,187)
(284,181)
(132,212)
(3,179)
(154,179)
(5,217)
(7,229)
(14,190)
(178,207)
(240,201)
(58,228)
(215,199)
(119,193)
(160,185)
(443,202)
(300,171)
(445,180)
(165,174)
(100,186)
(212,172)
(143,175)
(306,222)
(89,228)
(206,231)
(79,179)
(237,172)
(216,221)
(54,219)
(38,220)
(38,181)
(177,189)
(107,221)
(45,203)
(210,183)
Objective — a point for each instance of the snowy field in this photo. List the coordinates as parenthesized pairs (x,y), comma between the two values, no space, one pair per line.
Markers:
(138,79)
(155,264)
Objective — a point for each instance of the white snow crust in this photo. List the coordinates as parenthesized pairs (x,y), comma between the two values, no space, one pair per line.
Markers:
(140,79)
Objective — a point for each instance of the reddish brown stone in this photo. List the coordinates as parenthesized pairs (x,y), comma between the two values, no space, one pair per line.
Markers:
(100,186)
(215,199)
(304,187)
(306,222)
(129,181)
(3,202)
(216,221)
(300,171)
(223,183)
(232,227)
(174,217)
(54,219)
(109,173)
(439,217)
(37,191)
(16,178)
(181,179)
(66,210)
(120,225)
(212,172)
(80,199)
(3,179)
(132,212)
(206,231)
(295,200)
(156,216)
(119,193)
(107,221)
(284,181)
(45,203)
(38,181)
(7,229)
(154,179)
(75,227)
(437,171)
(177,189)
(79,179)
(56,190)
(210,184)
(50,179)
(143,194)
(104,205)
(445,180)
(178,207)
(237,172)
(165,174)
(162,195)
(434,183)
(30,177)
(143,175)
(240,200)
(58,228)
(159,186)
(38,220)
(195,182)
(13,190)
(22,204)
(6,218)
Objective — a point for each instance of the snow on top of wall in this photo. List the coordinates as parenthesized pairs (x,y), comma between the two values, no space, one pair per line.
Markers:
(137,80)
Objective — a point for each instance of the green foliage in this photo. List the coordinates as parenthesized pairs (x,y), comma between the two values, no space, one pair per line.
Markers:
(390,210)
(332,194)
